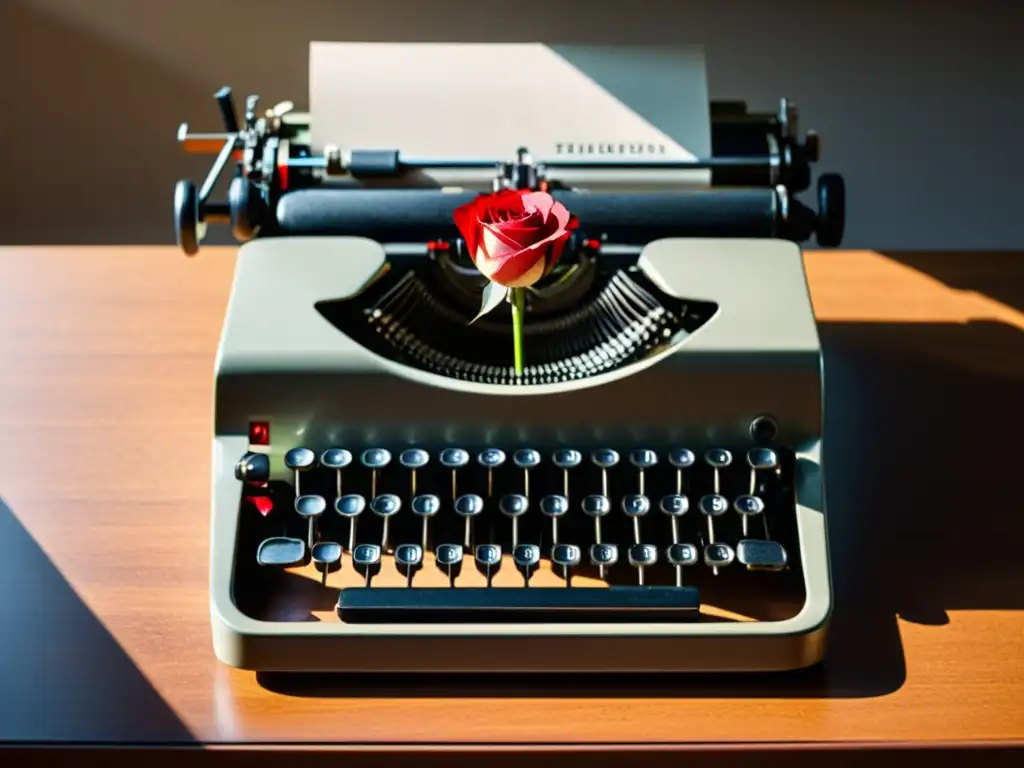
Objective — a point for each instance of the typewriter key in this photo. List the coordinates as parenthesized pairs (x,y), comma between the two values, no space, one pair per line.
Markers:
(310,507)
(718,555)
(408,560)
(366,560)
(299,460)
(281,551)
(375,460)
(604,459)
(596,506)
(413,459)
(761,555)
(491,459)
(747,506)
(712,505)
(469,506)
(253,468)
(680,556)
(514,506)
(454,459)
(762,458)
(488,560)
(681,458)
(526,557)
(426,505)
(554,506)
(324,555)
(350,506)
(526,459)
(636,506)
(566,459)
(385,506)
(449,559)
(642,459)
(336,459)
(719,458)
(675,505)
(568,557)
(642,556)
(604,556)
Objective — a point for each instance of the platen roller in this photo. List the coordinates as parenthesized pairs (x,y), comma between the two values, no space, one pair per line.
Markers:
(411,215)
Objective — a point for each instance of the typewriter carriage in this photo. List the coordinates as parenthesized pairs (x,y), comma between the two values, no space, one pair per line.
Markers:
(756,154)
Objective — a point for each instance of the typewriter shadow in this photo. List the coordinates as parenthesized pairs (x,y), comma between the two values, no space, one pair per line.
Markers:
(922,458)
(923,435)
(995,276)
(292,589)
(63,676)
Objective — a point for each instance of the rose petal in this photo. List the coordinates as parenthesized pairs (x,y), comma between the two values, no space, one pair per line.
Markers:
(467,222)
(526,257)
(485,207)
(519,272)
(511,270)
(541,202)
(529,219)
(494,246)
(508,269)
(499,206)
(520,234)
(562,215)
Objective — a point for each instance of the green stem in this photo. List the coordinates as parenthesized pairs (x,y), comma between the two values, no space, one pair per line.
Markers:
(518,310)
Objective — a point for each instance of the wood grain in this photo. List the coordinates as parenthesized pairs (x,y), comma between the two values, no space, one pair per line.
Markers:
(105,425)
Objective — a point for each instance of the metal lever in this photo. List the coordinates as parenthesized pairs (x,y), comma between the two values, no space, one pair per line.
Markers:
(227,109)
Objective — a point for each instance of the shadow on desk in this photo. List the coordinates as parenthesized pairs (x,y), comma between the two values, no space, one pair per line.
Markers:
(922,461)
(997,276)
(63,677)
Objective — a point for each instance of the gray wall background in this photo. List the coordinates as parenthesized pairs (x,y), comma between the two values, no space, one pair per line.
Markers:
(920,104)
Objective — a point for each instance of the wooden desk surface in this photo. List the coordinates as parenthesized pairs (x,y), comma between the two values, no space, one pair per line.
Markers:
(106,357)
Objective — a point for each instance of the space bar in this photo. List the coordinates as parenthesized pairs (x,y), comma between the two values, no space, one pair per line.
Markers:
(501,604)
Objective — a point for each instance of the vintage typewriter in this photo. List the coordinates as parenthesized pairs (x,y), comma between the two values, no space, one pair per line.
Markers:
(389,496)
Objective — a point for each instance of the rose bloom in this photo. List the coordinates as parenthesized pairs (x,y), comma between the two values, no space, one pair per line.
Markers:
(515,237)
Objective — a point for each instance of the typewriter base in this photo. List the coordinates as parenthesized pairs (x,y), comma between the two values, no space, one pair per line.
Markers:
(316,386)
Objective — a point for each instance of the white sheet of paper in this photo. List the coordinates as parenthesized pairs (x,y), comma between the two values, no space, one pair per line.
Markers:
(485,100)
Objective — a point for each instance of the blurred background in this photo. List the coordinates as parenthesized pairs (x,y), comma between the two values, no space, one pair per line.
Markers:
(919,104)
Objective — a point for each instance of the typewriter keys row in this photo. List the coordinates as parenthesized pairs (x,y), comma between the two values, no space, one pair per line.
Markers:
(255,467)
(599,516)
(288,552)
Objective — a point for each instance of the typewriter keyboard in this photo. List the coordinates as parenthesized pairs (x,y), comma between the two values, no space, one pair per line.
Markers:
(530,535)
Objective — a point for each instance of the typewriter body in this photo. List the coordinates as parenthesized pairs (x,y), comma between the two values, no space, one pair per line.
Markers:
(388,495)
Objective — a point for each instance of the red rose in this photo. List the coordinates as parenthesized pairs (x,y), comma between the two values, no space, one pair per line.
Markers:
(515,237)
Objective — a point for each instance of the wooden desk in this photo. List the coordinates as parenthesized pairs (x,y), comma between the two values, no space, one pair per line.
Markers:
(106,357)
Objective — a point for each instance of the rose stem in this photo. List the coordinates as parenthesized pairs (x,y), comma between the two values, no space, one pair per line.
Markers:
(518,309)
